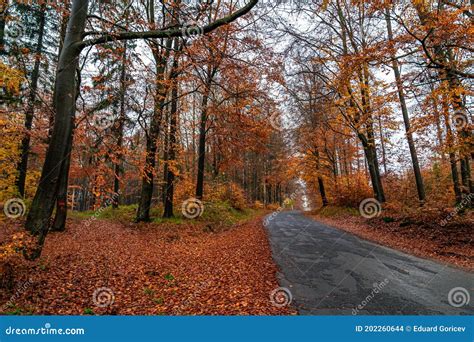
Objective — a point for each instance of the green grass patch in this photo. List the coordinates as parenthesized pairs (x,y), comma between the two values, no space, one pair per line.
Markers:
(169,277)
(334,211)
(388,219)
(173,220)
(124,212)
(214,212)
(224,213)
(88,311)
(148,291)
(14,310)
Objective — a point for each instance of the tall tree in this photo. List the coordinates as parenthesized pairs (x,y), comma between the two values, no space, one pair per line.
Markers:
(406,119)
(118,165)
(441,56)
(210,73)
(172,140)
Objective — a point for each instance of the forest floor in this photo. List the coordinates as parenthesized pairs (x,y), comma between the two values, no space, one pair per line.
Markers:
(419,235)
(171,268)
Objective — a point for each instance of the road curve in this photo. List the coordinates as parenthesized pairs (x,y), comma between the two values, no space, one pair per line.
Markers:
(332,272)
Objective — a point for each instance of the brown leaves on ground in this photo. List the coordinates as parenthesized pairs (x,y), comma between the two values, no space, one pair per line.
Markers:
(419,234)
(151,269)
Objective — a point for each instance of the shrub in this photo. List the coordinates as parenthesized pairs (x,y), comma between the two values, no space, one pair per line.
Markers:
(258,205)
(236,197)
(273,207)
(8,252)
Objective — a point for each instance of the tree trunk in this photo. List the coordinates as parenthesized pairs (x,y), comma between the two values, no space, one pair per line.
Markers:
(322,189)
(30,110)
(372,164)
(118,167)
(368,141)
(143,213)
(168,210)
(59,224)
(463,131)
(165,155)
(62,36)
(64,105)
(202,144)
(452,154)
(146,196)
(370,147)
(406,119)
(382,145)
(439,131)
(3,16)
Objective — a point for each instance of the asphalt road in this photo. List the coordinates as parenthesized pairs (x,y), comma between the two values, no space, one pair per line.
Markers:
(332,272)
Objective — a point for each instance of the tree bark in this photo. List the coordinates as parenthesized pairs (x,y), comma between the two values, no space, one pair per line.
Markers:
(3,16)
(463,131)
(168,210)
(62,36)
(370,146)
(202,148)
(322,189)
(118,167)
(165,155)
(59,224)
(452,154)
(202,138)
(143,213)
(64,104)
